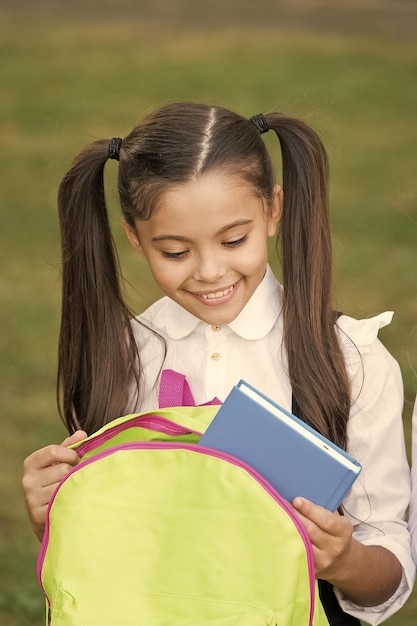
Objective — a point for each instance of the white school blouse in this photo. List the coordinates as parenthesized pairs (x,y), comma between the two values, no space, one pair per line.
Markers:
(413,503)
(214,358)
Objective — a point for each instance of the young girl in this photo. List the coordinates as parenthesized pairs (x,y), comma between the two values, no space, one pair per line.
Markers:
(199,202)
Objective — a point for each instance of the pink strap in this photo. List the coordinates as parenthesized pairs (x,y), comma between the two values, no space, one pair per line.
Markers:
(174,390)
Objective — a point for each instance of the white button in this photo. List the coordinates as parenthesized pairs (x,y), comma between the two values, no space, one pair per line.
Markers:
(215,356)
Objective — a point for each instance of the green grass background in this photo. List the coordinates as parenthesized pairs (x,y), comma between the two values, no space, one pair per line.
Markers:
(71,74)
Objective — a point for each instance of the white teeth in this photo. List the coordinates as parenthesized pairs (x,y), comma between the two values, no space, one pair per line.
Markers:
(216,294)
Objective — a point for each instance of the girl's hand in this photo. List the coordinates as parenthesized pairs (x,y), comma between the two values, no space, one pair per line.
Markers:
(331,537)
(42,471)
(367,575)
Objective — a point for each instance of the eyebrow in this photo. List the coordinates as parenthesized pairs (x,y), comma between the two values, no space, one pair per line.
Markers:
(222,231)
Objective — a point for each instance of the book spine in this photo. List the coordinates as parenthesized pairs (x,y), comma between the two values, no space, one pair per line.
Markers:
(342,489)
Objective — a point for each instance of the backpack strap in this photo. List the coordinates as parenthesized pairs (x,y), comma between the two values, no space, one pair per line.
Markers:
(334,612)
(174,390)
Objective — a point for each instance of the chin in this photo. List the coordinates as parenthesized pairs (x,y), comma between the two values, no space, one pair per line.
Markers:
(217,320)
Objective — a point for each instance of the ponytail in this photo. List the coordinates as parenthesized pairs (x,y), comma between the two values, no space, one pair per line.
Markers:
(315,360)
(97,354)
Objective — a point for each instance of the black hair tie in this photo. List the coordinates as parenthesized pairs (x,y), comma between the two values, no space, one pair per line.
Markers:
(260,123)
(114,148)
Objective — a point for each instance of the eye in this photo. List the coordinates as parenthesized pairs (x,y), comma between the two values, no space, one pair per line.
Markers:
(236,242)
(174,255)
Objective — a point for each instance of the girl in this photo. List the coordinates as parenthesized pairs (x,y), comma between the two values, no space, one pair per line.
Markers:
(199,202)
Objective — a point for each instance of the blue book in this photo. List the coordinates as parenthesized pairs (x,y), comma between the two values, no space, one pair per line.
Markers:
(293,457)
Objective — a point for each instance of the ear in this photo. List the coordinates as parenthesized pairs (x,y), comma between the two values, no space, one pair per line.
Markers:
(275,210)
(132,236)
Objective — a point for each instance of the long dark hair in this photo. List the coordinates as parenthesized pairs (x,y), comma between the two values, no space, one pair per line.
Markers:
(98,357)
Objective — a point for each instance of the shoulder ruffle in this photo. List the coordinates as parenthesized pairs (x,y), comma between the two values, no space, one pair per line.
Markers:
(363,332)
(357,336)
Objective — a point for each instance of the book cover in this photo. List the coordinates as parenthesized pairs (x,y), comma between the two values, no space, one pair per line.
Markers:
(293,457)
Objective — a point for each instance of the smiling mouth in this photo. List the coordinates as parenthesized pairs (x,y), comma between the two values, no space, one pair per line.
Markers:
(215,295)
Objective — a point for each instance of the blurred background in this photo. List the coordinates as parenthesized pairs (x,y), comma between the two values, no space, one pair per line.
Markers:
(73,72)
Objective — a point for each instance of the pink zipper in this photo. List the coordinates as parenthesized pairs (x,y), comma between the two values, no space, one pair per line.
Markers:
(166,445)
(151,422)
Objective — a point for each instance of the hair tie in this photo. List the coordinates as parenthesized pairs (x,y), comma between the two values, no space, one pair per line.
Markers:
(114,148)
(260,123)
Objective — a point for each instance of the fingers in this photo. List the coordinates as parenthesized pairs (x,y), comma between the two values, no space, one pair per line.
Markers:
(330,535)
(42,472)
(79,435)
(317,517)
(50,455)
(38,486)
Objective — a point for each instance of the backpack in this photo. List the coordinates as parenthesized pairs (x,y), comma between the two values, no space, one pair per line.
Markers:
(151,528)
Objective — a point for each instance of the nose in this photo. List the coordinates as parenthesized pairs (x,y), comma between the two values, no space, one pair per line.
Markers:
(209,267)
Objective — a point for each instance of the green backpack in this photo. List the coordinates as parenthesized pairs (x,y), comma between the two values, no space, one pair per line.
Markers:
(152,529)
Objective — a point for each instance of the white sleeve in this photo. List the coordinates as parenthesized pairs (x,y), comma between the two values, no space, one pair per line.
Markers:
(378,501)
(413,502)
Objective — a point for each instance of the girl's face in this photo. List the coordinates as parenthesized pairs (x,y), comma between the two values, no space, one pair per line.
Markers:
(206,244)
